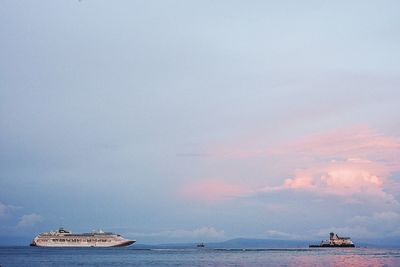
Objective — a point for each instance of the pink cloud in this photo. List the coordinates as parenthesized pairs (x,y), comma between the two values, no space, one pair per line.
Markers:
(343,162)
(341,178)
(213,190)
(301,180)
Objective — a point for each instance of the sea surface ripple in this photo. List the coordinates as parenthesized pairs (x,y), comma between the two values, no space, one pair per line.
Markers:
(31,256)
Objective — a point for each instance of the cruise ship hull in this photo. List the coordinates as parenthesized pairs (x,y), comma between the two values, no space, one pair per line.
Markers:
(83,244)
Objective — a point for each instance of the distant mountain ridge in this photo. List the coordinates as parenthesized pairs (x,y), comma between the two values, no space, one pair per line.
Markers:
(236,243)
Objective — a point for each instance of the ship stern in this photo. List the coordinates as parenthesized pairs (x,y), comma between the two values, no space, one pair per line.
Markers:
(33,243)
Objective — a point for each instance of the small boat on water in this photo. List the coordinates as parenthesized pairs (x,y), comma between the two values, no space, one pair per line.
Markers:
(65,238)
(335,241)
(201,245)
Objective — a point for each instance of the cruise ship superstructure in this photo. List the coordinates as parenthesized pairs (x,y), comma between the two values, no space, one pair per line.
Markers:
(65,238)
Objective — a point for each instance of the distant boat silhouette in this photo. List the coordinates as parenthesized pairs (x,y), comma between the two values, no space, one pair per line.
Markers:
(201,245)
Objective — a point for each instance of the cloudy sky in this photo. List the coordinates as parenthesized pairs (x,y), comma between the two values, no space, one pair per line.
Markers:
(172,121)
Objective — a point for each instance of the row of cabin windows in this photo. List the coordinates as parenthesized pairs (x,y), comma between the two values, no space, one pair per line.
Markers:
(79,240)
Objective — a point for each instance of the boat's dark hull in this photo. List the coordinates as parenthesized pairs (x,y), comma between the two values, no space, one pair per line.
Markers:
(332,246)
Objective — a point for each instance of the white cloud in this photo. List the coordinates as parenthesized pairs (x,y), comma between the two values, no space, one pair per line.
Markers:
(202,232)
(3,209)
(29,220)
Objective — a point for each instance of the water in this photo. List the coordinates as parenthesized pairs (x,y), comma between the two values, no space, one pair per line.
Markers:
(31,256)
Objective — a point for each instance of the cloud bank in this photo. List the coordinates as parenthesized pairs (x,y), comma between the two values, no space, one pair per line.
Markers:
(345,162)
(354,166)
(29,220)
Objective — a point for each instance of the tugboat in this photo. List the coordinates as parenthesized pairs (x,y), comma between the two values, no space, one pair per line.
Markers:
(335,241)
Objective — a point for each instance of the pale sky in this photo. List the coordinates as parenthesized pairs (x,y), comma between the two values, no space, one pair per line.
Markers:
(186,121)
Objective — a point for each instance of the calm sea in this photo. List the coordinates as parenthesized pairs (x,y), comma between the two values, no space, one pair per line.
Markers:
(27,256)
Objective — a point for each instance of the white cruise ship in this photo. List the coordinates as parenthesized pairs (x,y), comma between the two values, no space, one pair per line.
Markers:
(64,238)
